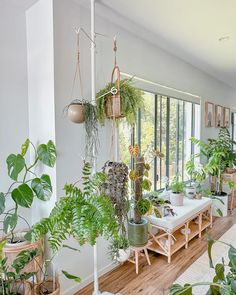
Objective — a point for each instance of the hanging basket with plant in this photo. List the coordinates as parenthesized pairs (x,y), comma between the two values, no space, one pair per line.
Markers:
(124,103)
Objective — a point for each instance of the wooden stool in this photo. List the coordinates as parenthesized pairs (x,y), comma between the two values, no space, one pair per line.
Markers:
(138,251)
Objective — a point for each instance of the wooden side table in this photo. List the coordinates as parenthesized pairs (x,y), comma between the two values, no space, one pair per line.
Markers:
(139,251)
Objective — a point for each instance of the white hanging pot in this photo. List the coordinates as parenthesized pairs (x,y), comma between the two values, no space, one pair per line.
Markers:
(123,255)
(76,112)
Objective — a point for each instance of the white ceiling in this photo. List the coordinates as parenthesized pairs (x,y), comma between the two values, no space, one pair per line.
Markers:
(189,29)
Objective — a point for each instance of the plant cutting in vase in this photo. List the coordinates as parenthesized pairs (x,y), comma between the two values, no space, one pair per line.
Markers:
(224,282)
(26,185)
(116,188)
(138,226)
(84,214)
(177,194)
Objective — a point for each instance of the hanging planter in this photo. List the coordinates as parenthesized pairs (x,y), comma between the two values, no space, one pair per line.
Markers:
(124,104)
(76,112)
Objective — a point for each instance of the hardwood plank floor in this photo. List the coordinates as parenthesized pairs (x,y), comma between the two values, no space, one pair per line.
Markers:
(157,278)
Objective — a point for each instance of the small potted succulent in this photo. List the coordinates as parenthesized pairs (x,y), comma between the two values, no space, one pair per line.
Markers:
(177,192)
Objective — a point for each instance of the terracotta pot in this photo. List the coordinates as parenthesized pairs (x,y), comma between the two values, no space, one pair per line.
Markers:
(47,285)
(10,251)
(176,199)
(76,113)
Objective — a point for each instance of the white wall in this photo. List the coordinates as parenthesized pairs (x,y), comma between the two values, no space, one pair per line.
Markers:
(13,87)
(135,57)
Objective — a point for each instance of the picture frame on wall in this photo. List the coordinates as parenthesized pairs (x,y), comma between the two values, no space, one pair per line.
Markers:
(209,114)
(219,116)
(227,117)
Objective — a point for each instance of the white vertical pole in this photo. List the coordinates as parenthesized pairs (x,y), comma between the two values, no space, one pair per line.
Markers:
(93,97)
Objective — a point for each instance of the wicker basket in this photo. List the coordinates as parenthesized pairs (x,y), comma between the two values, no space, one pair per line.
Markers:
(34,266)
(113,102)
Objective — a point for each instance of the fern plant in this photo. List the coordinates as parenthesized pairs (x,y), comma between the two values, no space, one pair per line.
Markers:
(84,214)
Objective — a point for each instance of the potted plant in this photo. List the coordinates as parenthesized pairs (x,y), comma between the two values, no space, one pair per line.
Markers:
(224,281)
(26,185)
(14,280)
(159,204)
(217,154)
(177,192)
(84,214)
(116,188)
(131,100)
(197,177)
(138,226)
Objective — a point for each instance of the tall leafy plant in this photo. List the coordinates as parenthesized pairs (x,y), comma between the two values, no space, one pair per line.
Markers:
(26,184)
(84,214)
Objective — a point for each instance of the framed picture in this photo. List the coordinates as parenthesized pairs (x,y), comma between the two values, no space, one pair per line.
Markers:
(219,116)
(209,114)
(227,117)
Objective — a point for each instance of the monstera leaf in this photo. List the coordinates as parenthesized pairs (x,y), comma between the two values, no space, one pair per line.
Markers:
(177,289)
(2,203)
(47,153)
(23,195)
(42,187)
(15,164)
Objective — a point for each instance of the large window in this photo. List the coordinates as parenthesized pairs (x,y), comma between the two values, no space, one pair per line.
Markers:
(165,124)
(233,120)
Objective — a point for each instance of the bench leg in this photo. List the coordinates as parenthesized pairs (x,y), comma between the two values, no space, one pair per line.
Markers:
(136,261)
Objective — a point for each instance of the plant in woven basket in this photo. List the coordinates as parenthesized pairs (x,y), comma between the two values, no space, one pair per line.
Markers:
(131,100)
(13,281)
(84,214)
(26,184)
(224,281)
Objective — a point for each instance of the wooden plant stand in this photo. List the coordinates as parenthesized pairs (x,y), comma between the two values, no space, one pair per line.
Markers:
(173,237)
(139,251)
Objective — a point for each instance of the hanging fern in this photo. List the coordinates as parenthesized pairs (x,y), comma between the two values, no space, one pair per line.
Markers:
(82,214)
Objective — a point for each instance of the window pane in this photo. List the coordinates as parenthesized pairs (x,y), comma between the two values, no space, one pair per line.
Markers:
(187,135)
(173,138)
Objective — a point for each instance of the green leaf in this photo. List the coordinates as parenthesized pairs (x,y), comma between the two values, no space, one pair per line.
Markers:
(219,269)
(23,258)
(2,245)
(47,153)
(2,203)
(210,244)
(71,277)
(232,256)
(177,289)
(42,187)
(15,164)
(10,222)
(25,147)
(219,212)
(143,206)
(23,195)
(233,285)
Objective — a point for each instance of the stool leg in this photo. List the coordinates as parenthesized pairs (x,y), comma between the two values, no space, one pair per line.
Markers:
(136,261)
(147,256)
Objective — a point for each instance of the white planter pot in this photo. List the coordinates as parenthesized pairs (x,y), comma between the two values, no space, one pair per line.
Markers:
(123,255)
(22,242)
(176,199)
(190,192)
(218,205)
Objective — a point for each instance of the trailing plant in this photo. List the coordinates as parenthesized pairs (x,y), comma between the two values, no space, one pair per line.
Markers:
(12,278)
(84,214)
(121,242)
(218,156)
(131,101)
(224,281)
(26,184)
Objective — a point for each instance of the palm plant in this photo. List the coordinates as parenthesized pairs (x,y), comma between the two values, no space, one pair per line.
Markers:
(84,214)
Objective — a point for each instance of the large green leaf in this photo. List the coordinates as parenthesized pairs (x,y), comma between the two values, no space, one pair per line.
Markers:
(23,258)
(23,195)
(232,256)
(47,153)
(10,222)
(219,269)
(209,249)
(25,147)
(177,289)
(71,277)
(42,187)
(2,203)
(15,164)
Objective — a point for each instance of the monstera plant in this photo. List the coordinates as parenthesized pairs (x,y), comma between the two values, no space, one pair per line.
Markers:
(26,185)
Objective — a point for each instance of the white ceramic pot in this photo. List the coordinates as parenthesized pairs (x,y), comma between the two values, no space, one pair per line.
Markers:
(177,199)
(22,242)
(190,192)
(123,255)
(76,113)
(223,207)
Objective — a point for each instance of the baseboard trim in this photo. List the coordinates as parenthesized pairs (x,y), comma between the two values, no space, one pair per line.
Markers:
(89,279)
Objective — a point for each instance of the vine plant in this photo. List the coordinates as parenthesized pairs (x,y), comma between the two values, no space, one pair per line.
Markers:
(26,183)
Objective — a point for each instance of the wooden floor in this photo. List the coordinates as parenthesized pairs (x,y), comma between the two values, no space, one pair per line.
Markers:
(157,278)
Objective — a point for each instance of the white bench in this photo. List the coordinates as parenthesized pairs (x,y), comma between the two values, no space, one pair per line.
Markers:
(193,216)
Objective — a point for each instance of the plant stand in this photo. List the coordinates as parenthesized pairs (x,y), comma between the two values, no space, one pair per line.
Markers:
(170,238)
(139,251)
